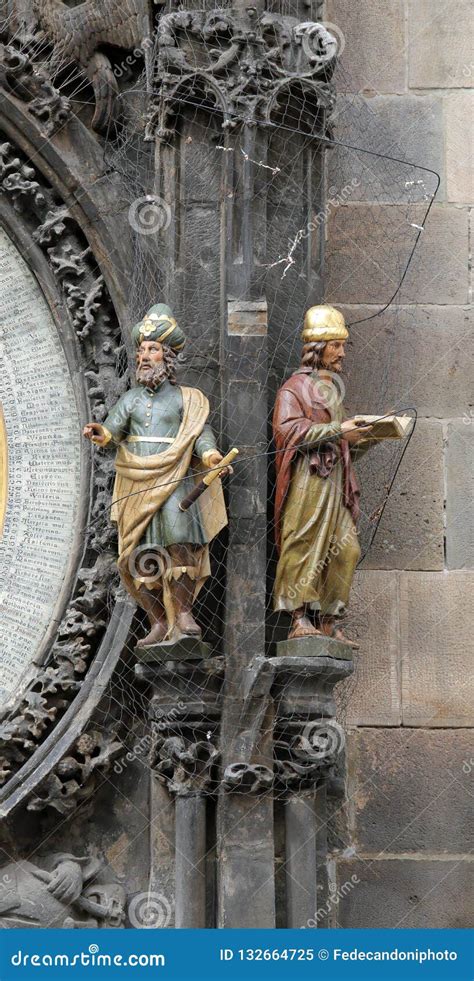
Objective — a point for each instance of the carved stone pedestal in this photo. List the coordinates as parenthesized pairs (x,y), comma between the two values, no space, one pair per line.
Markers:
(314,647)
(308,744)
(185,649)
(184,716)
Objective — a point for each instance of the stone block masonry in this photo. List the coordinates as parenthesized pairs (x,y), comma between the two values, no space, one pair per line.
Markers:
(407,69)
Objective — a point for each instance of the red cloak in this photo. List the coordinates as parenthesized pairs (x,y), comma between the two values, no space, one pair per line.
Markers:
(299,406)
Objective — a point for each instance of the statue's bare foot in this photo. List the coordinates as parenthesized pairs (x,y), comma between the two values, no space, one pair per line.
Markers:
(329,629)
(302,627)
(340,635)
(186,625)
(157,635)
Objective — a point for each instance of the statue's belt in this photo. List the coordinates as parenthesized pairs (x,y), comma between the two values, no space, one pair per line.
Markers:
(150,439)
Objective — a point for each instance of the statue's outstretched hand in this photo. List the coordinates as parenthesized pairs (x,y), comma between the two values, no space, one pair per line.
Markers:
(214,459)
(354,432)
(95,432)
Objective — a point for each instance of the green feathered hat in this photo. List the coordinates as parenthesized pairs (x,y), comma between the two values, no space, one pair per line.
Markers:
(159,324)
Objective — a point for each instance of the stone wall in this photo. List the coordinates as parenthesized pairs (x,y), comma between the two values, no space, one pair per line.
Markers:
(404,833)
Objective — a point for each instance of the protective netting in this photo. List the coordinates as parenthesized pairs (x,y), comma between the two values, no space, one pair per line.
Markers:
(296,265)
(305,207)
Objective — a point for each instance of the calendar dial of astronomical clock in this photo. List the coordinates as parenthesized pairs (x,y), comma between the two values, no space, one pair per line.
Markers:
(40,470)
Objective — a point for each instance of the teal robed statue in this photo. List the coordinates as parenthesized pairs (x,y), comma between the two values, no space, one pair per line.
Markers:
(164,443)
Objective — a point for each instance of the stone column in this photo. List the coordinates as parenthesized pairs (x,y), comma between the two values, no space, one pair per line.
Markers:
(234,100)
(184,719)
(308,744)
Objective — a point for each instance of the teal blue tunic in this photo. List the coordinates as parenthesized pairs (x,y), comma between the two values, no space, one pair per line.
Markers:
(158,413)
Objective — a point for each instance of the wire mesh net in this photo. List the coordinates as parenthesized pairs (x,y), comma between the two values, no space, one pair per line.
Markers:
(301,207)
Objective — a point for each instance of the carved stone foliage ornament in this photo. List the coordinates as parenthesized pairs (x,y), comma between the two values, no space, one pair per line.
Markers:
(240,63)
(78,774)
(185,767)
(247,778)
(55,683)
(32,85)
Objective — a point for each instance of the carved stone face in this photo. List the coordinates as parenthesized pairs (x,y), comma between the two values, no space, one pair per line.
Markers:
(333,356)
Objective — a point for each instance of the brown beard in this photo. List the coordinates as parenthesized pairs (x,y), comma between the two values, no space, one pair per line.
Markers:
(152,376)
(336,366)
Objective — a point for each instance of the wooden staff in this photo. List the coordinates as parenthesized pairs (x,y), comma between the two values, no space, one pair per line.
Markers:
(207,480)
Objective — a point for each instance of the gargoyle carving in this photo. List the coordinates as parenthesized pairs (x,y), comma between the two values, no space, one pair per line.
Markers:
(79,33)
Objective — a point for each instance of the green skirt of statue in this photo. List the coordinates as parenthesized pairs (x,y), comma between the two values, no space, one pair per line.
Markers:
(170,526)
(319,545)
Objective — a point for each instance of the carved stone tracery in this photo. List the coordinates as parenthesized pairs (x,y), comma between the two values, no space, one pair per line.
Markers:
(239,64)
(80,633)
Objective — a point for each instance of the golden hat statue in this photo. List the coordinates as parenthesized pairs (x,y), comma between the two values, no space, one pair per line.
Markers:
(324,323)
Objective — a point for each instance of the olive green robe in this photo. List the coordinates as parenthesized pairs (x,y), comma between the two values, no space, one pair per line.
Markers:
(319,544)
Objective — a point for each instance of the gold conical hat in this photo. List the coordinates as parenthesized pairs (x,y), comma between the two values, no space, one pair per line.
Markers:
(324,323)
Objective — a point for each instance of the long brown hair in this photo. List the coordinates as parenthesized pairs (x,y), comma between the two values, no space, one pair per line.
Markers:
(312,354)
(169,359)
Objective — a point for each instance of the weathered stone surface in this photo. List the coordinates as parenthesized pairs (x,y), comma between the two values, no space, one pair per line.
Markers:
(437,627)
(161,832)
(185,649)
(247,317)
(439,44)
(405,893)
(410,128)
(373,696)
(374,36)
(410,534)
(246,401)
(314,647)
(459,113)
(413,356)
(411,791)
(369,246)
(460,493)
